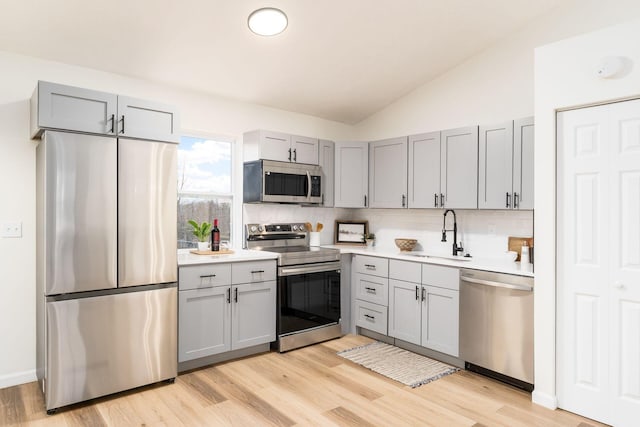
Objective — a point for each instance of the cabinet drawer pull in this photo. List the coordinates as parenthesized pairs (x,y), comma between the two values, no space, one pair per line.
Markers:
(207,275)
(370,266)
(370,290)
(370,317)
(257,271)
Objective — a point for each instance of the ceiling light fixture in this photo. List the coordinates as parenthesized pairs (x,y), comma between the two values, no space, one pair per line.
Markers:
(267,21)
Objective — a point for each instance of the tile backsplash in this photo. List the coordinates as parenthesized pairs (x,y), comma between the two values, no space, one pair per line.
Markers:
(482,232)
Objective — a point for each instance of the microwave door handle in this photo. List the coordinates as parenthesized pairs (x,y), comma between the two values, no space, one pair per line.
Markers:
(308,185)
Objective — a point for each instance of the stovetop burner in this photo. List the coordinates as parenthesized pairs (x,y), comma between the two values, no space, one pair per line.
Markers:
(290,241)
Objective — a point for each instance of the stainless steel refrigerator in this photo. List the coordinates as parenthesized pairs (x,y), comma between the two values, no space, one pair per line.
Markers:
(106,265)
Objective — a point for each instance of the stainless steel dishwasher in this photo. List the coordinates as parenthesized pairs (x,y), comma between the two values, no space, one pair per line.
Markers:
(496,326)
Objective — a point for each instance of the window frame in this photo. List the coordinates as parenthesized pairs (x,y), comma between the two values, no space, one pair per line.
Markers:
(231,194)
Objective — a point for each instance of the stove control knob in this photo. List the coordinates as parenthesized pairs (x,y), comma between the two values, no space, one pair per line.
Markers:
(295,227)
(253,229)
(260,229)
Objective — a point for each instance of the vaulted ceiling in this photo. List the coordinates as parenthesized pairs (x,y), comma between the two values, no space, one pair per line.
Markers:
(338,59)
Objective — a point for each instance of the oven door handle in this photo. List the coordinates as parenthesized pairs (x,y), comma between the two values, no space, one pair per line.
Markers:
(313,268)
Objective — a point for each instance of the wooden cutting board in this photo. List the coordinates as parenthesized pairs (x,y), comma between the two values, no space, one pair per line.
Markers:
(515,244)
(220,252)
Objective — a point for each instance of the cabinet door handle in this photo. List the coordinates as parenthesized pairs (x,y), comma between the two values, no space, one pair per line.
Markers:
(424,290)
(257,271)
(228,295)
(208,275)
(516,202)
(403,200)
(441,200)
(295,155)
(365,200)
(122,120)
(370,317)
(435,200)
(508,200)
(370,290)
(235,295)
(417,293)
(289,154)
(113,123)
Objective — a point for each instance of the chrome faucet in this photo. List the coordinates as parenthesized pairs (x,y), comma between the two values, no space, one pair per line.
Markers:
(456,248)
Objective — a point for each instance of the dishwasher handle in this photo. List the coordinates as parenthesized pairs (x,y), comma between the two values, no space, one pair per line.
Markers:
(497,284)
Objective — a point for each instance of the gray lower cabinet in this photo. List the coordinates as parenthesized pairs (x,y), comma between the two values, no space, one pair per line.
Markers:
(421,313)
(204,319)
(216,317)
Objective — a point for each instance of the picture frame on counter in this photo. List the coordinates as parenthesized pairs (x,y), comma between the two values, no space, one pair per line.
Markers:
(351,232)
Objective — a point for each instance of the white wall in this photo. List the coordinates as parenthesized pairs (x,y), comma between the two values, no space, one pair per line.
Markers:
(564,78)
(17,175)
(496,85)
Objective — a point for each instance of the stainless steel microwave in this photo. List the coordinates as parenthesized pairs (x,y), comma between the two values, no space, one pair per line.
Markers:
(282,182)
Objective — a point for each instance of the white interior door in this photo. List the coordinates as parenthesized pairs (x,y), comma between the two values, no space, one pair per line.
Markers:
(599,262)
(583,262)
(624,280)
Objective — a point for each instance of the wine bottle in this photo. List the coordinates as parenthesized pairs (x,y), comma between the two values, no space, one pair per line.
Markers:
(215,236)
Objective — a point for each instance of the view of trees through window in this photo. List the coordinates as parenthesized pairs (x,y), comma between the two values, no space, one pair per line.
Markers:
(204,186)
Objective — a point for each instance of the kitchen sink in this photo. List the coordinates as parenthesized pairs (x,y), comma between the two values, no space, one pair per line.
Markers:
(443,256)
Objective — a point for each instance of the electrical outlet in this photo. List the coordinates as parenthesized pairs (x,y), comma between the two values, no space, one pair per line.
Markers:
(11,229)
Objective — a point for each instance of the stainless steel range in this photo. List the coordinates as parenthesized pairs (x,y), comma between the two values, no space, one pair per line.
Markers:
(308,284)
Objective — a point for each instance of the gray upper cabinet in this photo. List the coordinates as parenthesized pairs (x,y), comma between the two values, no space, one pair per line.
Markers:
(326,159)
(388,173)
(141,119)
(443,169)
(506,165)
(269,145)
(523,158)
(424,170)
(495,166)
(459,168)
(304,150)
(55,106)
(352,172)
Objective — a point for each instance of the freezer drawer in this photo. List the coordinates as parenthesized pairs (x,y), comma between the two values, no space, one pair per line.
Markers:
(105,344)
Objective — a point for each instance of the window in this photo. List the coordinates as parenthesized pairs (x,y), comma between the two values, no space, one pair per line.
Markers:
(204,186)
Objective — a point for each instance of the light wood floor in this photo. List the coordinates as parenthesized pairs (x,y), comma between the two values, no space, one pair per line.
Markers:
(309,386)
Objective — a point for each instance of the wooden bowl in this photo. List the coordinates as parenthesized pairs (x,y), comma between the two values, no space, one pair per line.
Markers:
(406,245)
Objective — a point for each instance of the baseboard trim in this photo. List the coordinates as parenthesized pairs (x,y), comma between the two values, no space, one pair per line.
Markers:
(543,399)
(17,378)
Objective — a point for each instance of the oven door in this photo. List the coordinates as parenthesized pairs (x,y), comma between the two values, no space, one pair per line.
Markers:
(308,297)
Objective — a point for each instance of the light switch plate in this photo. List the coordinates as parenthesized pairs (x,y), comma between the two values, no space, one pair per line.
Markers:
(11,229)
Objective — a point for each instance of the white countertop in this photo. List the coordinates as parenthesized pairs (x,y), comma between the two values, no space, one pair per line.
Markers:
(185,257)
(475,263)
